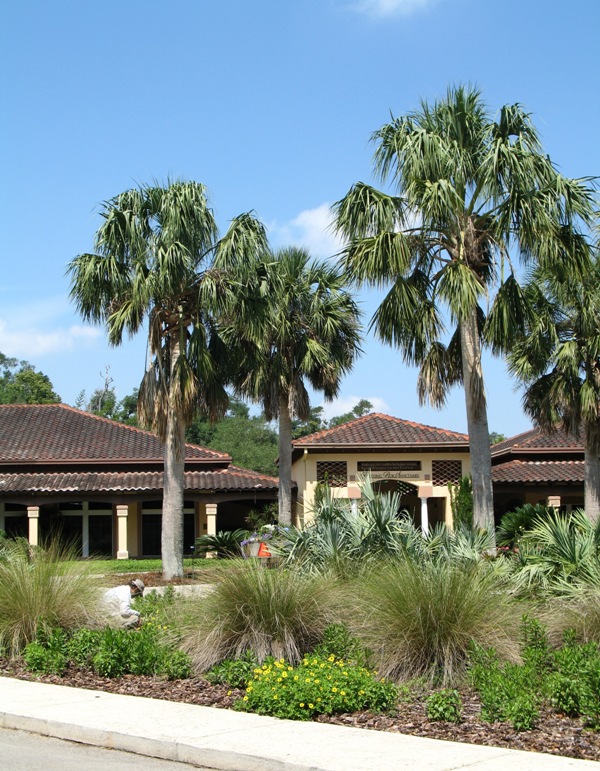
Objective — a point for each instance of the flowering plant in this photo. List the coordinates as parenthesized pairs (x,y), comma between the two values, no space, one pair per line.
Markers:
(319,685)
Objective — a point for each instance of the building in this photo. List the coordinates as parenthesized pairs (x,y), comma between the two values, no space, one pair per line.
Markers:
(418,460)
(99,483)
(538,467)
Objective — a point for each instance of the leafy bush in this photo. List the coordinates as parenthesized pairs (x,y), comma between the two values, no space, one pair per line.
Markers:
(420,619)
(234,672)
(318,686)
(508,692)
(42,588)
(83,646)
(268,612)
(557,553)
(176,665)
(461,502)
(444,705)
(341,643)
(226,544)
(513,524)
(49,659)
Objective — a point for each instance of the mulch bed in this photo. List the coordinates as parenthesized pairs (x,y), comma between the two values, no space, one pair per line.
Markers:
(555,734)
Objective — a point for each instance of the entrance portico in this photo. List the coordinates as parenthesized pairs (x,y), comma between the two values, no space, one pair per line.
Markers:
(417,461)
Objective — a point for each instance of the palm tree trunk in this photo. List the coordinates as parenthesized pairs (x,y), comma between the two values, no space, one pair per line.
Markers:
(477,422)
(592,485)
(285,462)
(173,483)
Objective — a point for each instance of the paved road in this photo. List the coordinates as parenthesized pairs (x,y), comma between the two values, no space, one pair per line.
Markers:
(22,751)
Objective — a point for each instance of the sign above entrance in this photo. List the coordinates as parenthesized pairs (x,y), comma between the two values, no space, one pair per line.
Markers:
(390,469)
(389,465)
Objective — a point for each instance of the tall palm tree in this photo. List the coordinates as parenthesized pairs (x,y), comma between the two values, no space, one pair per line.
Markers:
(471,191)
(558,359)
(303,329)
(148,262)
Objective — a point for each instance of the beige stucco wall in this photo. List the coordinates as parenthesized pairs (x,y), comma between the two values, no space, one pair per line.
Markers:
(304,473)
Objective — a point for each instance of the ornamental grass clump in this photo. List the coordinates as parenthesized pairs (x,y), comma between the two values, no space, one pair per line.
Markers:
(269,612)
(419,619)
(317,686)
(42,588)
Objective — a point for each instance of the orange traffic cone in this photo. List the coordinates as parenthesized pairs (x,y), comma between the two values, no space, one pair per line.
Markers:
(263,551)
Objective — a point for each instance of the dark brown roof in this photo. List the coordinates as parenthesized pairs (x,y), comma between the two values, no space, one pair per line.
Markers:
(230,479)
(378,430)
(536,441)
(536,472)
(57,433)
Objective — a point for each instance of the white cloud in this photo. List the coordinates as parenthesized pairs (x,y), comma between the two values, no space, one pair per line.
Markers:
(385,8)
(346,403)
(311,229)
(27,343)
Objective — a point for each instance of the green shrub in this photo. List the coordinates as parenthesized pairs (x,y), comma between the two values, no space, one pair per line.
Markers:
(38,658)
(176,665)
(83,646)
(420,619)
(444,705)
(508,692)
(318,686)
(234,672)
(341,643)
(226,544)
(461,502)
(590,696)
(112,657)
(275,613)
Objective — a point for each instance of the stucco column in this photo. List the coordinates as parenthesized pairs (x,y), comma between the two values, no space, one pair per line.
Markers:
(424,516)
(33,519)
(425,492)
(122,513)
(85,531)
(211,518)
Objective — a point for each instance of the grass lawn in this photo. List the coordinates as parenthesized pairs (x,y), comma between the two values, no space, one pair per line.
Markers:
(202,569)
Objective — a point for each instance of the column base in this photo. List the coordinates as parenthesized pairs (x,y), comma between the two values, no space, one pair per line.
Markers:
(122,555)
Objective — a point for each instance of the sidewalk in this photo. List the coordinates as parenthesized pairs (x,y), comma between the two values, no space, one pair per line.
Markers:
(233,741)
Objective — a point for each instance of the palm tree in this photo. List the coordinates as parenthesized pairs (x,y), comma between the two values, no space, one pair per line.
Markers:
(303,329)
(471,191)
(558,359)
(148,260)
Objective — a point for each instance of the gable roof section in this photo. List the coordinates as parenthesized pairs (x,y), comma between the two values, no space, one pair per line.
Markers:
(379,430)
(57,433)
(539,442)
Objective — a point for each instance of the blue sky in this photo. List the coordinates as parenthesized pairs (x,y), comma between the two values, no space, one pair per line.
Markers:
(271,105)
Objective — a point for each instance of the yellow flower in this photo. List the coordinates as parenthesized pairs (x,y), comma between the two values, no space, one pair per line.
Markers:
(311,706)
(245,698)
(301,703)
(295,677)
(331,658)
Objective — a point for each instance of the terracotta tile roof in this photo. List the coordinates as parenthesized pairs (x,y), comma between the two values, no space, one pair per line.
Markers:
(230,479)
(536,472)
(537,441)
(51,433)
(377,429)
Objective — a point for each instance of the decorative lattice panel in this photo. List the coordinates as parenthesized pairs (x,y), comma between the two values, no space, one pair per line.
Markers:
(332,472)
(405,488)
(444,471)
